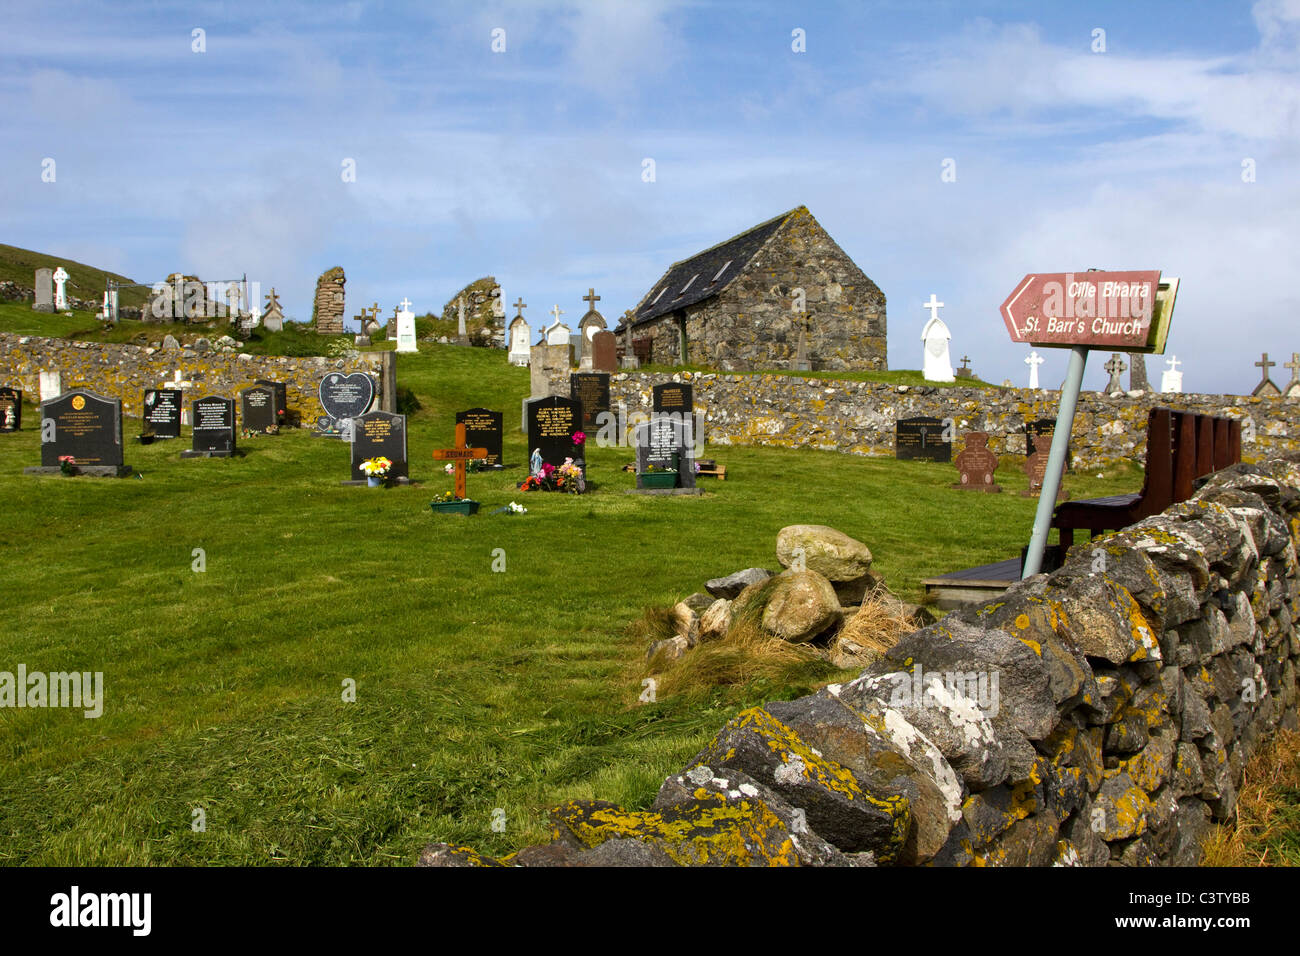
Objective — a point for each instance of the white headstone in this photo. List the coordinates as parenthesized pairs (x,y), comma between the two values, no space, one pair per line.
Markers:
(520,333)
(60,293)
(935,336)
(51,385)
(1033,361)
(557,333)
(1171,380)
(406,331)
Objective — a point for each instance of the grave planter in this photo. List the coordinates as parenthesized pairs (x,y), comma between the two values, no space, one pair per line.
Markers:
(658,479)
(374,481)
(466,506)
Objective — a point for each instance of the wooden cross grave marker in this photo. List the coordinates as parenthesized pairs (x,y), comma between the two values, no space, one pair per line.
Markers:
(460,455)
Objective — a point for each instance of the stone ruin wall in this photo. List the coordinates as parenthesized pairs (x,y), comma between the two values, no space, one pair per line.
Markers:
(328,306)
(125,371)
(789,411)
(1128,691)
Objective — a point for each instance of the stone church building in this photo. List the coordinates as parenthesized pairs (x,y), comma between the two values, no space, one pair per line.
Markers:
(736,306)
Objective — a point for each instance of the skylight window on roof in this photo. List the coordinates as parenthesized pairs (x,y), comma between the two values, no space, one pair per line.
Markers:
(689,284)
(722,270)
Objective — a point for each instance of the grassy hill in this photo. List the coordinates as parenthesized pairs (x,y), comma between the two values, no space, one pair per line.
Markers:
(475,689)
(84,282)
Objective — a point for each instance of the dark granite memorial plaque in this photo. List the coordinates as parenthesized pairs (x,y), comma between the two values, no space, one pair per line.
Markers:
(921,438)
(604,352)
(666,443)
(552,423)
(11,409)
(83,425)
(342,397)
(213,421)
(281,398)
(483,429)
(592,390)
(257,410)
(162,412)
(379,435)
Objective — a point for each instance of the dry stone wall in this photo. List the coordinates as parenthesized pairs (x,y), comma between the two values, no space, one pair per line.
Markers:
(788,411)
(125,371)
(1099,715)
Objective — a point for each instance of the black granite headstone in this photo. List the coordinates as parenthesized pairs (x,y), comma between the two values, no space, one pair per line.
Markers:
(281,398)
(552,423)
(379,435)
(213,420)
(483,429)
(83,425)
(592,389)
(257,410)
(11,409)
(921,438)
(162,412)
(679,398)
(344,396)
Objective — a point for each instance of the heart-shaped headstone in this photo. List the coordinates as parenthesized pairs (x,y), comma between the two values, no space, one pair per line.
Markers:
(346,396)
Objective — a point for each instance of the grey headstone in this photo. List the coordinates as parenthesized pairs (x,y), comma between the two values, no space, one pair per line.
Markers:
(44,291)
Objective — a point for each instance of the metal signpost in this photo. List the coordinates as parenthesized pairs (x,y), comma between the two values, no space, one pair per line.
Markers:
(1112,311)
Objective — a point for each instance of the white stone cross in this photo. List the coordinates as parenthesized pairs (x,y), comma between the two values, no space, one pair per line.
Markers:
(557,312)
(1173,363)
(405,303)
(933,305)
(1033,361)
(60,294)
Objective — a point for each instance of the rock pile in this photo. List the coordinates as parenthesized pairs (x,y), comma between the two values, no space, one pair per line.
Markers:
(826,597)
(327,307)
(1100,715)
(484,311)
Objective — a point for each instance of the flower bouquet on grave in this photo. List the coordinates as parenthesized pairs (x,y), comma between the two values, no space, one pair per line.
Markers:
(376,470)
(511,509)
(67,464)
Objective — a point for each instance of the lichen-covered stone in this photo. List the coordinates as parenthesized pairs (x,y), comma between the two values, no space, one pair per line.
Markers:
(829,552)
(736,787)
(450,855)
(1123,807)
(758,744)
(887,757)
(795,606)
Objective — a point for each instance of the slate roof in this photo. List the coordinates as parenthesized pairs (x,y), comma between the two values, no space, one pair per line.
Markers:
(706,273)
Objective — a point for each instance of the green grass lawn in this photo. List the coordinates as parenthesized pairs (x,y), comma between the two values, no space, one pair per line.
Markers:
(475,690)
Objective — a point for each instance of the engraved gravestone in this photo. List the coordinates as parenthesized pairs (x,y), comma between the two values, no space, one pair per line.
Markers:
(976,464)
(379,435)
(86,426)
(1036,467)
(11,409)
(257,410)
(483,429)
(213,420)
(343,397)
(44,293)
(162,412)
(552,423)
(921,438)
(281,398)
(592,390)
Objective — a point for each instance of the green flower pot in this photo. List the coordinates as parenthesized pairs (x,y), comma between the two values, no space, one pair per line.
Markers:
(467,506)
(658,479)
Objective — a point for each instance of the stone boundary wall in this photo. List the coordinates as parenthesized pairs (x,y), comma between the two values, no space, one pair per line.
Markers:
(125,371)
(1099,715)
(858,418)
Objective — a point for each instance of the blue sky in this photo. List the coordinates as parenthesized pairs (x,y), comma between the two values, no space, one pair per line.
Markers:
(527,164)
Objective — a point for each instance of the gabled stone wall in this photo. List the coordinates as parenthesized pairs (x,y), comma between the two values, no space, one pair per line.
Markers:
(1102,714)
(750,324)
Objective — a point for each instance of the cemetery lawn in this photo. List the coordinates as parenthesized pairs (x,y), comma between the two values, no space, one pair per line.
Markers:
(475,690)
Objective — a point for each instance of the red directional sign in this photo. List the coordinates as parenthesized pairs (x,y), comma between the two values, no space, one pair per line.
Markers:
(1124,311)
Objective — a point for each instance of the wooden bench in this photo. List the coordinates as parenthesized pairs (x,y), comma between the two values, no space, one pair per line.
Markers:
(1181,448)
